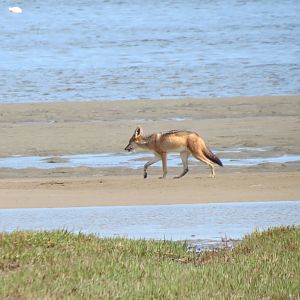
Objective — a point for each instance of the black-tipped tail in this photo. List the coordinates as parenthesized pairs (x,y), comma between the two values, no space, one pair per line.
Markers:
(212,157)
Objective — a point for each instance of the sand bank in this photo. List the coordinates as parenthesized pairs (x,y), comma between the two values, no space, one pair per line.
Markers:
(134,190)
(56,129)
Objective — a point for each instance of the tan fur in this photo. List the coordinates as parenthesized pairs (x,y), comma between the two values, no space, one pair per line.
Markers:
(184,142)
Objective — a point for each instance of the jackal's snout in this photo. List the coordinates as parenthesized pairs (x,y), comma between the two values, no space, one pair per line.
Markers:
(129,147)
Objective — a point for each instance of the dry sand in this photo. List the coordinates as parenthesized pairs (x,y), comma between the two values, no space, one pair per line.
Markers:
(55,129)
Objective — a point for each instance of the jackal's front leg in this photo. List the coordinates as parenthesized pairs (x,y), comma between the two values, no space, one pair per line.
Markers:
(149,163)
(164,165)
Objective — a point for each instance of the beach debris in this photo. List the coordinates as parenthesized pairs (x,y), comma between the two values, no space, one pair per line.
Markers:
(55,160)
(199,246)
(15,10)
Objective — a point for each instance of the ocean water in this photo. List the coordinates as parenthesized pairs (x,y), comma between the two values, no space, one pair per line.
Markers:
(131,49)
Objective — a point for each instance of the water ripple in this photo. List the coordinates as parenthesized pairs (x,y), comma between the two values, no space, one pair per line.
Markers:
(180,49)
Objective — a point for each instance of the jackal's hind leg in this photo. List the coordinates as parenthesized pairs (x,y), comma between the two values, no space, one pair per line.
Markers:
(212,170)
(208,162)
(155,159)
(184,157)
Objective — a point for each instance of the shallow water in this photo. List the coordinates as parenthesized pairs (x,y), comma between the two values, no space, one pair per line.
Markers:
(133,161)
(176,222)
(130,49)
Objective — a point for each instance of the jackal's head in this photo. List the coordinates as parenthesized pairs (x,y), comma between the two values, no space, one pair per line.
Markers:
(135,140)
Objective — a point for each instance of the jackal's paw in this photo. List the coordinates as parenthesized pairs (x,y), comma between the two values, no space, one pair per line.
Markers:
(162,177)
(211,176)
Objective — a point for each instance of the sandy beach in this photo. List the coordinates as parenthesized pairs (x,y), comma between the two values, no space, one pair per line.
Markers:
(56,129)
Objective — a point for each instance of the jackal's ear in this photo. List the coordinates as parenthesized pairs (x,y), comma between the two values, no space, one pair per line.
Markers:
(138,131)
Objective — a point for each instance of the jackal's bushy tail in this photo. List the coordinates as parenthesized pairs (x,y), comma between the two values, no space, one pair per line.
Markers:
(212,157)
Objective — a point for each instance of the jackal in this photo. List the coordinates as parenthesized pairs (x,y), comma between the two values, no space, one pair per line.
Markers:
(184,142)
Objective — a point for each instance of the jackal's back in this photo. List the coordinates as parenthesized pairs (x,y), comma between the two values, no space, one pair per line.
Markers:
(175,140)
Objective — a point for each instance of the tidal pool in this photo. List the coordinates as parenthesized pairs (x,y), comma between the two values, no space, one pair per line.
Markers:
(173,222)
(132,160)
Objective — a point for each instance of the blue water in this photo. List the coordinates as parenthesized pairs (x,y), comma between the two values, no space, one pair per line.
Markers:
(176,222)
(131,49)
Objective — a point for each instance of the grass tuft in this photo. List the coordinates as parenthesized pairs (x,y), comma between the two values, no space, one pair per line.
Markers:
(62,265)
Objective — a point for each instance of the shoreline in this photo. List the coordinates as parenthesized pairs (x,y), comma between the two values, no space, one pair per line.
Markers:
(55,129)
(168,99)
(153,205)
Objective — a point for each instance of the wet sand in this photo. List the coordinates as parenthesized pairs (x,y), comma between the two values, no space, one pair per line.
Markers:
(55,129)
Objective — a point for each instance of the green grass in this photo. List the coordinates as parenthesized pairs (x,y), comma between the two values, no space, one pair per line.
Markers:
(61,265)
